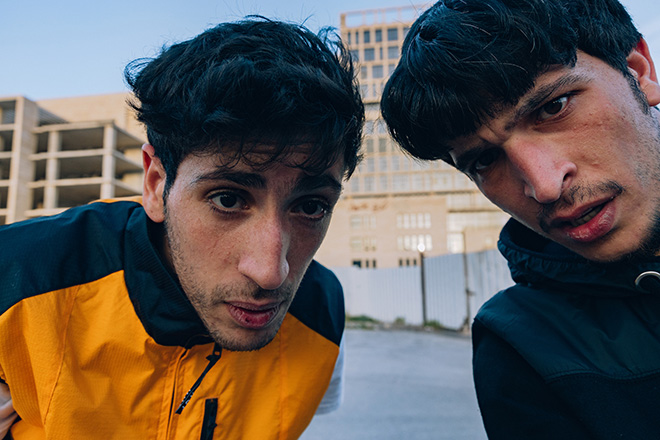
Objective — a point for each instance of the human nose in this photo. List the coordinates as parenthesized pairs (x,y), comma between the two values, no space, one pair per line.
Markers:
(264,258)
(545,172)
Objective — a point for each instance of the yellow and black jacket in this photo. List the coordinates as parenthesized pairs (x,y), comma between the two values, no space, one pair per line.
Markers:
(98,341)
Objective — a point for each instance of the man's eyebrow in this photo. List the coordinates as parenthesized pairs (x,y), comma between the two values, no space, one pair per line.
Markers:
(530,102)
(312,182)
(242,178)
(246,179)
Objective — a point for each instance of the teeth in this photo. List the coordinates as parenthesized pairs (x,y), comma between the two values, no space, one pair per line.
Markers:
(587,216)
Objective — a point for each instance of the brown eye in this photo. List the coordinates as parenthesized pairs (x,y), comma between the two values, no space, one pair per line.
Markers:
(228,201)
(313,209)
(552,108)
(485,159)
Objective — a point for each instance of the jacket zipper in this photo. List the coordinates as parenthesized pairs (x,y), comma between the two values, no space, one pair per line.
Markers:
(210,414)
(213,359)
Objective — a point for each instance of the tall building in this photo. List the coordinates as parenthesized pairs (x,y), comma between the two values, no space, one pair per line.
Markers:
(55,154)
(393,204)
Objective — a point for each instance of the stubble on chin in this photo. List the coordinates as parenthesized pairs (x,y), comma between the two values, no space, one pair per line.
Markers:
(231,336)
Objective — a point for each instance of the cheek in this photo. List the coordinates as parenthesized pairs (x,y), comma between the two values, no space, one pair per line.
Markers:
(199,245)
(304,244)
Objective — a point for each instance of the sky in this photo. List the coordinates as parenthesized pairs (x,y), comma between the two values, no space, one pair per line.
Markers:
(53,49)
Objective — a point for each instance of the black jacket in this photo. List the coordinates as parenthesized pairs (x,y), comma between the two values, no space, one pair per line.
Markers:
(572,351)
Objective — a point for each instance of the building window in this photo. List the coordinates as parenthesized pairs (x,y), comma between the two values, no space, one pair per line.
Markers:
(442,181)
(369,54)
(369,184)
(393,52)
(367,36)
(382,163)
(357,263)
(370,165)
(355,184)
(356,244)
(356,221)
(390,68)
(383,183)
(369,145)
(396,163)
(417,181)
(355,55)
(357,37)
(410,242)
(392,34)
(377,71)
(363,72)
(382,145)
(400,182)
(455,243)
(420,220)
(378,35)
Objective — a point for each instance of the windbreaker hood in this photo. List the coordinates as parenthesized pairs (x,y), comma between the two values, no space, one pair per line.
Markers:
(534,259)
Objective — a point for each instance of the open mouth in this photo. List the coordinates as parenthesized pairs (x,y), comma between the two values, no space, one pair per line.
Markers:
(587,216)
(252,317)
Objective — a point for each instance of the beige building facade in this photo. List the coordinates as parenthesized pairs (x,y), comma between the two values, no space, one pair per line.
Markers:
(55,154)
(393,204)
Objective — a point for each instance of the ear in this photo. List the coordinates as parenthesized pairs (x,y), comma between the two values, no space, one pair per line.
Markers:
(641,66)
(154,184)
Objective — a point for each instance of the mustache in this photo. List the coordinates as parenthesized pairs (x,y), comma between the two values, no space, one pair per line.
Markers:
(222,293)
(576,195)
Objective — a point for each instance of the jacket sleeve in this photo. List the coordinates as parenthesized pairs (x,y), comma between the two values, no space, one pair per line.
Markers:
(7,413)
(515,401)
(334,395)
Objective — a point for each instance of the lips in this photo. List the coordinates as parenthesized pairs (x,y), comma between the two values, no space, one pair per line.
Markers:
(587,216)
(253,316)
(592,224)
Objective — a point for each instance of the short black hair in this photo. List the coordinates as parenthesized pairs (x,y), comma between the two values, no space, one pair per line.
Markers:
(250,82)
(464,60)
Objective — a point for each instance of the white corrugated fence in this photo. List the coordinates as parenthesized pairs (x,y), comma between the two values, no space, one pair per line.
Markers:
(392,294)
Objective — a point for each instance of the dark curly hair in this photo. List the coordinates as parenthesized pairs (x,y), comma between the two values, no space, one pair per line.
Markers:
(463,60)
(246,83)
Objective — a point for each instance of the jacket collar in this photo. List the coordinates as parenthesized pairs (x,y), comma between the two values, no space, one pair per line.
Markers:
(534,259)
(159,301)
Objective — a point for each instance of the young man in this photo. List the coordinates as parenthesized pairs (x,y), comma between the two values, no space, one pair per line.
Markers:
(198,313)
(547,106)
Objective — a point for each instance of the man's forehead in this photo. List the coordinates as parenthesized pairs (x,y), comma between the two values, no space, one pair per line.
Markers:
(259,170)
(262,155)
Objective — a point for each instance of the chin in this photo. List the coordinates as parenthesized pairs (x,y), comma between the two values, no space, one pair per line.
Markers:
(244,340)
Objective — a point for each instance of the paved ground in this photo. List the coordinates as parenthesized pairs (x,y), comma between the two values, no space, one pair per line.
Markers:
(404,385)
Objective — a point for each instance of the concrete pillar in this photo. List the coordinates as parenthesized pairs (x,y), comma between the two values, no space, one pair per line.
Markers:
(52,170)
(109,161)
(21,170)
